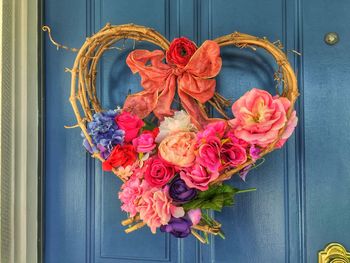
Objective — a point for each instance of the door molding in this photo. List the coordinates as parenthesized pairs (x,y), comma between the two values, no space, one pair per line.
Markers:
(19,131)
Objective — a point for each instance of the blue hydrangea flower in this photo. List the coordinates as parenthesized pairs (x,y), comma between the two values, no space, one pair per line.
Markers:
(104,132)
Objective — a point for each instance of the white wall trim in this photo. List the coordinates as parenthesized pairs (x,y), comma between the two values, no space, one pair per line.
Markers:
(19,131)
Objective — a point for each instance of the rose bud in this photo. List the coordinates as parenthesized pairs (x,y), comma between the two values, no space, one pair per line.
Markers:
(180,192)
(178,227)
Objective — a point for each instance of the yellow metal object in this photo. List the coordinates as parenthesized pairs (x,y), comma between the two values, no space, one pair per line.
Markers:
(334,253)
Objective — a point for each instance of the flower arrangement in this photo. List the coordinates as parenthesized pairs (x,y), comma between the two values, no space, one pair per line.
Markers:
(174,166)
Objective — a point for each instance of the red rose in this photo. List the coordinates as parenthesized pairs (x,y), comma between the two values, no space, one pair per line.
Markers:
(131,124)
(120,156)
(157,173)
(180,51)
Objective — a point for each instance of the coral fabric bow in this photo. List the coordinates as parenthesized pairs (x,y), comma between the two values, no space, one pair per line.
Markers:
(194,82)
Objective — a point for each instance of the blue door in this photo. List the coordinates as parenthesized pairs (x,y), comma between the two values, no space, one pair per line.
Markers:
(303,197)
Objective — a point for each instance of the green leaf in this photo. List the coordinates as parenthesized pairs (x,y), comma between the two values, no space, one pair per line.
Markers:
(149,126)
(215,198)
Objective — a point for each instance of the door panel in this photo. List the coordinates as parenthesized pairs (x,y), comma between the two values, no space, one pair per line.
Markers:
(327,121)
(302,197)
(257,221)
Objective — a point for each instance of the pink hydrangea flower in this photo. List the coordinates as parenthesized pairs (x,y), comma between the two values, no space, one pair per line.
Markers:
(130,194)
(259,117)
(156,208)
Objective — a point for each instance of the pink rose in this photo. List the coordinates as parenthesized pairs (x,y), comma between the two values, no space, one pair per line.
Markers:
(213,129)
(292,123)
(234,139)
(208,153)
(157,173)
(259,117)
(131,124)
(178,149)
(198,177)
(130,194)
(233,154)
(144,143)
(156,208)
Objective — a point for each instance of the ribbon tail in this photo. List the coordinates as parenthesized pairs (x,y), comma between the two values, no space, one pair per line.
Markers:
(165,99)
(194,92)
(197,113)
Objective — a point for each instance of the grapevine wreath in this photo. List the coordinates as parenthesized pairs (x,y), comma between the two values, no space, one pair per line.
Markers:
(174,164)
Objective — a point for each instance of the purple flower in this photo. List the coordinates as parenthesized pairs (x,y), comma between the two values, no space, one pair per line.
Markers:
(104,132)
(254,152)
(178,227)
(243,173)
(180,192)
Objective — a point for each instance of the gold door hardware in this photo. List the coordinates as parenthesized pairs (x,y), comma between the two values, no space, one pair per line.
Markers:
(331,38)
(334,253)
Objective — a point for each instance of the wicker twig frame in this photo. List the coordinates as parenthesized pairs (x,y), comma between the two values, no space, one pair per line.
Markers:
(83,96)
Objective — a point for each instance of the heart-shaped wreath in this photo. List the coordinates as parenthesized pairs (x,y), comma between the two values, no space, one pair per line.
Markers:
(173,170)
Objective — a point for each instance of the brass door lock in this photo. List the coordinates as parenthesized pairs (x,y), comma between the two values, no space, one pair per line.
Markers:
(334,253)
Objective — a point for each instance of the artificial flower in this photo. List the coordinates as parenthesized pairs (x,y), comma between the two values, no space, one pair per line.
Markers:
(178,227)
(144,143)
(198,177)
(244,172)
(104,132)
(125,172)
(254,152)
(130,193)
(130,123)
(216,129)
(180,192)
(157,173)
(156,208)
(259,117)
(292,123)
(178,149)
(233,154)
(180,122)
(120,156)
(180,51)
(208,154)
(230,135)
(195,215)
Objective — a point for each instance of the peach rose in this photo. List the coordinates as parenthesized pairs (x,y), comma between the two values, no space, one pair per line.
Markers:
(178,149)
(259,117)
